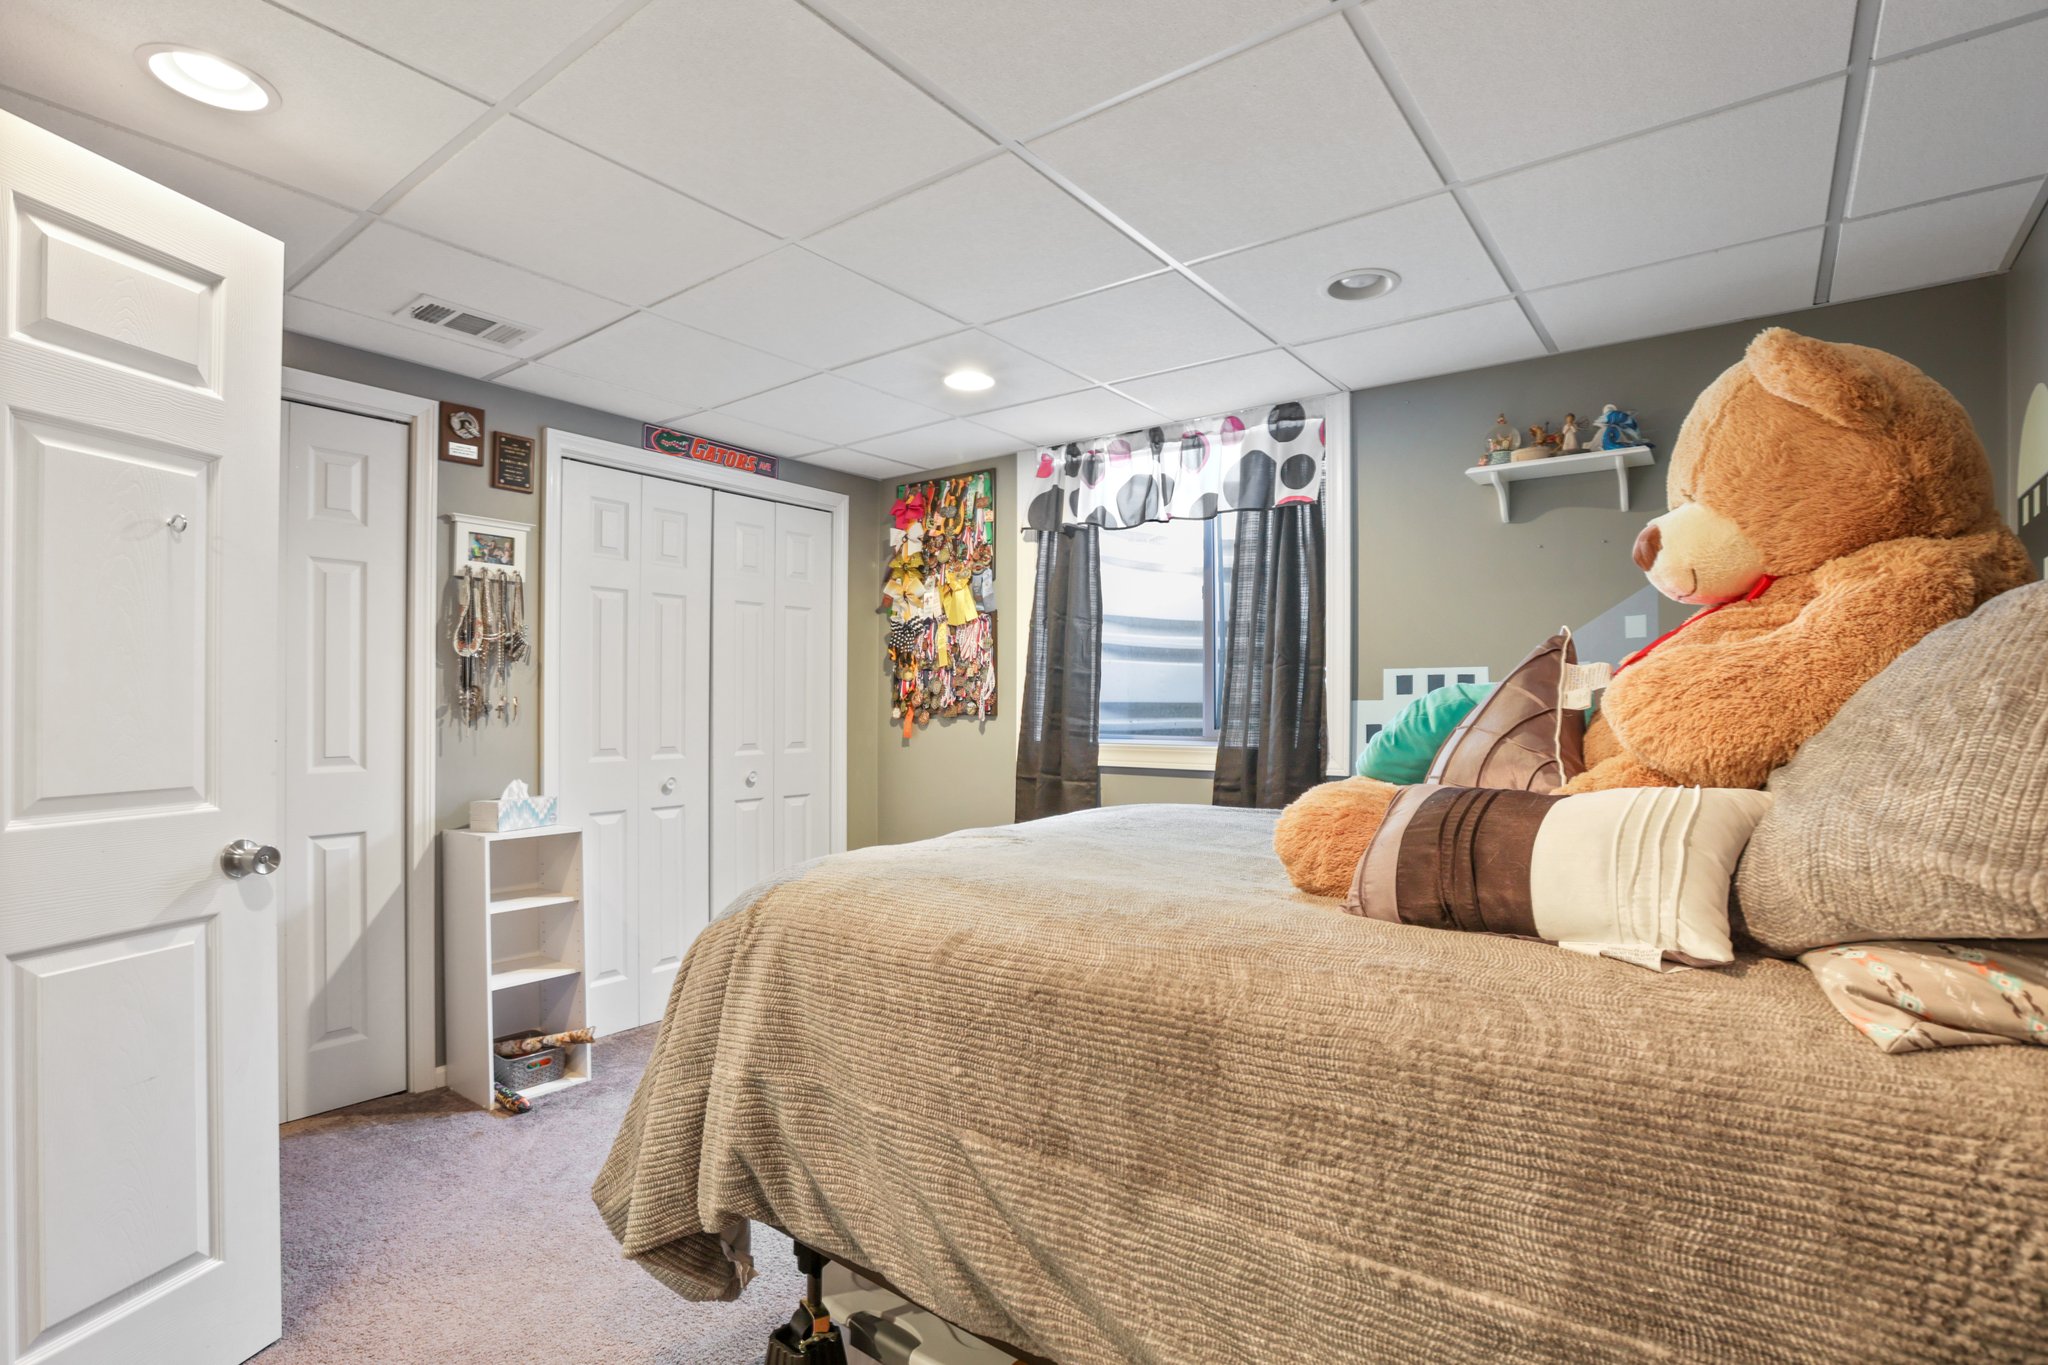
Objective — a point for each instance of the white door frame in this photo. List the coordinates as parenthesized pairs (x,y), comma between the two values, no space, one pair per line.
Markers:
(422,960)
(558,445)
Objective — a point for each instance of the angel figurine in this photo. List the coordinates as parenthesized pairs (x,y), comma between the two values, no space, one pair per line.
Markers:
(1568,434)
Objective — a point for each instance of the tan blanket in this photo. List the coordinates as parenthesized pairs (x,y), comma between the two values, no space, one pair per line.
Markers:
(1107,1088)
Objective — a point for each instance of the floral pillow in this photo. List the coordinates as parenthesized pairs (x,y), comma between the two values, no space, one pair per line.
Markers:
(1909,996)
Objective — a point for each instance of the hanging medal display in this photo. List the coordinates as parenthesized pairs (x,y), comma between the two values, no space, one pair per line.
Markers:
(940,592)
(487,615)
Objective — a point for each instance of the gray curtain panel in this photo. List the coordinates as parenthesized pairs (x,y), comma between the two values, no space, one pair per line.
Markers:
(1057,769)
(1270,749)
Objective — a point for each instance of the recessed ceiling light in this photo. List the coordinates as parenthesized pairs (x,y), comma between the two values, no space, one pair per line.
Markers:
(207,78)
(1353,285)
(969,381)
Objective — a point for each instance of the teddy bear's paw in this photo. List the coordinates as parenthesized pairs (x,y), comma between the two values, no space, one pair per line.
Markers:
(1323,834)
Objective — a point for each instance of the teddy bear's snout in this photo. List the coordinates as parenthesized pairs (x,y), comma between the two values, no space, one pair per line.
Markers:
(1647,542)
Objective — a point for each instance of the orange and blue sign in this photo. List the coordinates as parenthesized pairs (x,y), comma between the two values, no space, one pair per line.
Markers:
(684,446)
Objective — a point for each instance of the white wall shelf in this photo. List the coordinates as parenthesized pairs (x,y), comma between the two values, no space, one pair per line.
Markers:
(514,960)
(1556,466)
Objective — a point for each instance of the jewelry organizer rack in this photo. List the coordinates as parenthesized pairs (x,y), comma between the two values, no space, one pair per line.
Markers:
(487,617)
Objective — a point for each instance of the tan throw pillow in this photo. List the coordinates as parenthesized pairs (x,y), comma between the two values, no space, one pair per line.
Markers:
(1921,811)
(1519,738)
(1907,997)
(1639,874)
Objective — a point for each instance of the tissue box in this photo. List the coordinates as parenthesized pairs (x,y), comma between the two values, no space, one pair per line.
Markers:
(511,812)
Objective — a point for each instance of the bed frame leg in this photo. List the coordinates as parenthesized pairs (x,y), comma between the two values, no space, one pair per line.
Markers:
(809,1337)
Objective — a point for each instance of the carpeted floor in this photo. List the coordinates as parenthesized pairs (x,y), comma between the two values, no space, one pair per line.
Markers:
(418,1229)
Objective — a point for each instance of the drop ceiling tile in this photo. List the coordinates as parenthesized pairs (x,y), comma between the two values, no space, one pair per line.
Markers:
(1071,417)
(1957,118)
(1491,334)
(1225,385)
(1732,177)
(1907,24)
(723,426)
(757,106)
(349,126)
(860,466)
(1439,258)
(526,196)
(384,268)
(919,373)
(1026,63)
(1748,281)
(1293,134)
(655,355)
(599,394)
(1139,328)
(487,55)
(304,224)
(831,409)
(1916,247)
(1502,85)
(997,238)
(941,444)
(391,338)
(792,303)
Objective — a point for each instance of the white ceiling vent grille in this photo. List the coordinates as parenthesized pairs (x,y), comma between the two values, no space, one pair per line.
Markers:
(439,314)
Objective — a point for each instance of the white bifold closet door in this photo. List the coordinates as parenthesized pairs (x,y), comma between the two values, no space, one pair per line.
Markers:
(634,641)
(771,719)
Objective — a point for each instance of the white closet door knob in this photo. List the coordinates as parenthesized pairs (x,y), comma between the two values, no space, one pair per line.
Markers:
(753,778)
(668,786)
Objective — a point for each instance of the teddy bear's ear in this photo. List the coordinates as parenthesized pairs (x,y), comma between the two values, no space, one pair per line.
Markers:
(1820,376)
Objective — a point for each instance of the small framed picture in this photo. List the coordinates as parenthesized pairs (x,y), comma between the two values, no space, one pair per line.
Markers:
(511,462)
(462,434)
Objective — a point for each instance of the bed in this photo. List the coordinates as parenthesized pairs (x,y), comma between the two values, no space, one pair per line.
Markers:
(1106,1087)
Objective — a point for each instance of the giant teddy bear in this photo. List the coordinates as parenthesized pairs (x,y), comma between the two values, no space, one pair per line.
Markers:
(1829,505)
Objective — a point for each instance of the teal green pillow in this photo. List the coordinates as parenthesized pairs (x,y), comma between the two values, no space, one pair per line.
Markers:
(1402,752)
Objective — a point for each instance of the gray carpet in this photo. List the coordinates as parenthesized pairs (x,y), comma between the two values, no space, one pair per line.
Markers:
(418,1229)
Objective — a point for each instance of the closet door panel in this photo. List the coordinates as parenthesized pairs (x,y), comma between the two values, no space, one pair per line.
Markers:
(674,758)
(803,684)
(743,679)
(597,712)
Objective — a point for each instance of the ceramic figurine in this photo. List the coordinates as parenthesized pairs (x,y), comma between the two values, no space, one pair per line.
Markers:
(1568,434)
(1615,429)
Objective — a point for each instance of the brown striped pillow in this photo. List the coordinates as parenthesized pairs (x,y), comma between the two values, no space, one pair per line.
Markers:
(1639,874)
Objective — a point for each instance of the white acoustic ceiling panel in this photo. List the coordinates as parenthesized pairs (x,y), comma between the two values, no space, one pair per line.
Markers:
(527,197)
(353,123)
(1296,133)
(1957,118)
(1931,243)
(694,369)
(758,107)
(795,304)
(1282,286)
(1907,24)
(384,268)
(304,224)
(1071,417)
(1247,381)
(600,394)
(1143,327)
(830,409)
(1491,334)
(1506,84)
(995,239)
(919,373)
(440,351)
(861,466)
(723,426)
(487,52)
(1026,63)
(940,444)
(1731,177)
(1774,276)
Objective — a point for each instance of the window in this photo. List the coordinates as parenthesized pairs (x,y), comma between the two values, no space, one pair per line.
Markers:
(1164,590)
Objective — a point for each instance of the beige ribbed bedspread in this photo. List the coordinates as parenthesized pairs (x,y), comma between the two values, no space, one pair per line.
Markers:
(1107,1088)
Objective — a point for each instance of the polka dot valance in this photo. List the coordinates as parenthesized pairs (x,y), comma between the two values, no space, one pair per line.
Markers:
(1237,462)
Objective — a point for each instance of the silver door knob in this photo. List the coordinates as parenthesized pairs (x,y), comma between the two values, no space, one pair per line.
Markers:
(244,856)
(668,786)
(176,521)
(753,778)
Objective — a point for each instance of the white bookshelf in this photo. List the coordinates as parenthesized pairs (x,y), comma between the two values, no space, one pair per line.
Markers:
(1619,462)
(513,931)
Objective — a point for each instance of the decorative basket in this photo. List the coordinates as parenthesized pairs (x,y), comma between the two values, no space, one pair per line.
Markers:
(536,1068)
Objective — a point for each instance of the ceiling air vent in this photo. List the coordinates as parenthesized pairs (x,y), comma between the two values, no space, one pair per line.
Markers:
(439,314)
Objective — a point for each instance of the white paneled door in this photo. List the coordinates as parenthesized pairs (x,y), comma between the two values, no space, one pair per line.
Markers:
(342,627)
(139,373)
